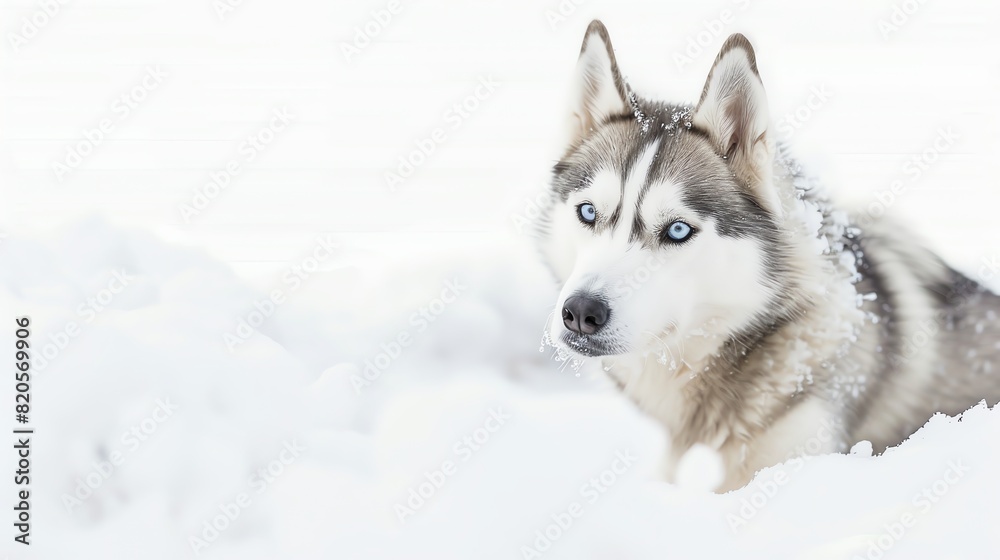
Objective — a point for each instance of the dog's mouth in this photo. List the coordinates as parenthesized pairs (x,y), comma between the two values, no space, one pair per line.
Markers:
(588,345)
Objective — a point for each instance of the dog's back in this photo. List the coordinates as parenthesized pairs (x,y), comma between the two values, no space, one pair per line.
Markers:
(936,334)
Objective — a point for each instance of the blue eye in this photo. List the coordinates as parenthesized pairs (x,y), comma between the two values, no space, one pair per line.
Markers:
(587,212)
(678,231)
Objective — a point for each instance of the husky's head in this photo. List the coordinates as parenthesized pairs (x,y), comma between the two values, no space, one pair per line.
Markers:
(665,222)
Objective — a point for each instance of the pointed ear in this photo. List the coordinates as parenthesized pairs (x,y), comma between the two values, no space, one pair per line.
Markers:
(733,111)
(598,89)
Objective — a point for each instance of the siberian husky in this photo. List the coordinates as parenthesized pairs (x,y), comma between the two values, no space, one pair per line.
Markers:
(728,298)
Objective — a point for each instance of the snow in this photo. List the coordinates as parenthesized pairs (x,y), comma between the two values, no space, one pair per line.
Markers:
(502,442)
(431,288)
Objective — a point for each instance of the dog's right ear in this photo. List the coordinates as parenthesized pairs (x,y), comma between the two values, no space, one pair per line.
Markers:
(598,89)
(733,113)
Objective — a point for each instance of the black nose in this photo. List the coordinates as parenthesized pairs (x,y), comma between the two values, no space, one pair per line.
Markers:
(584,314)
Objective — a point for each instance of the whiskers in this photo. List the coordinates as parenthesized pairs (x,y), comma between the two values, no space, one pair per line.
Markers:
(666,354)
(559,353)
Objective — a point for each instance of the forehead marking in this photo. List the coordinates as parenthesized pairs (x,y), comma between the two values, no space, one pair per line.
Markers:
(635,183)
(652,175)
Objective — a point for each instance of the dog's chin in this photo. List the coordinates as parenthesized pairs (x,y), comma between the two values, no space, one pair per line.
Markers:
(588,346)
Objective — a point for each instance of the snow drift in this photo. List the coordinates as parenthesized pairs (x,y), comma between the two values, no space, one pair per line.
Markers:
(363,417)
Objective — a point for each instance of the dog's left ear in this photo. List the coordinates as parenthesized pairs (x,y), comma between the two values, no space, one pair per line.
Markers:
(733,111)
